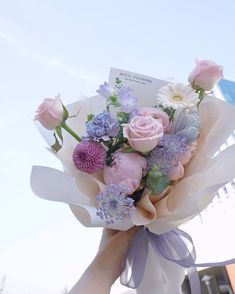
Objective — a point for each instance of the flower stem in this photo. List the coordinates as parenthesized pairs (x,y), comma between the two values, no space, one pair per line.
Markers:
(71,132)
(202,95)
(172,115)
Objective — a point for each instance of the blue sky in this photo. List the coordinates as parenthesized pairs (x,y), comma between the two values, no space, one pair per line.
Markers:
(67,47)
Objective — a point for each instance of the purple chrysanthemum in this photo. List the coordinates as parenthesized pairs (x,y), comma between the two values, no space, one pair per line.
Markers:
(114,204)
(103,126)
(167,154)
(127,99)
(89,156)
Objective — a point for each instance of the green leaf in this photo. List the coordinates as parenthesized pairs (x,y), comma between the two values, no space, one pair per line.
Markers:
(128,150)
(90,117)
(168,110)
(123,117)
(114,100)
(171,117)
(118,83)
(56,146)
(157,182)
(66,113)
(59,133)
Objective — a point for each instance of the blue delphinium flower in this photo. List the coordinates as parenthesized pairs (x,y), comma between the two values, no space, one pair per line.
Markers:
(103,126)
(127,99)
(114,204)
(105,90)
(166,155)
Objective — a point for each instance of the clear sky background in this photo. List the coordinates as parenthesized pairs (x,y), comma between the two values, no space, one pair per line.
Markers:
(67,47)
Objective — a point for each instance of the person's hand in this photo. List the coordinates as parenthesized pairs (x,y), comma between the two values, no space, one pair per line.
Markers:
(108,263)
(112,251)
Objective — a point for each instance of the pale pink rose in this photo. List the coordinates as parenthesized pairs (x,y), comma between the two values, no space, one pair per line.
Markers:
(205,74)
(177,172)
(143,133)
(50,113)
(127,169)
(155,113)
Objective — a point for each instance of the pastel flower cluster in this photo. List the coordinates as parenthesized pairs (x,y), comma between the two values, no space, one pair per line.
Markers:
(135,149)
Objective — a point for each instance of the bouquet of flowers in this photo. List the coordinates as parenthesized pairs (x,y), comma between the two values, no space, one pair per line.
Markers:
(140,153)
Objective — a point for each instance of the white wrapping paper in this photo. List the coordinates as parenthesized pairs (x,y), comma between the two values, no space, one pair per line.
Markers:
(204,175)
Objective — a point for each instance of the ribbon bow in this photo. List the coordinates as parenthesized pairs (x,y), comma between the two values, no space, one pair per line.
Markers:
(176,246)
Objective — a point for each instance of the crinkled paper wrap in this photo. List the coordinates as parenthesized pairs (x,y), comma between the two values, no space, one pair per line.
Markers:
(204,175)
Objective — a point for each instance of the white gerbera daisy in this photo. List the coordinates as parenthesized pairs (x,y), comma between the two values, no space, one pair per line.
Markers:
(177,95)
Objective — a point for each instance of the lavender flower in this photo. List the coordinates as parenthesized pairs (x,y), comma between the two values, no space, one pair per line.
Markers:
(103,126)
(105,90)
(127,99)
(167,154)
(187,125)
(89,156)
(114,204)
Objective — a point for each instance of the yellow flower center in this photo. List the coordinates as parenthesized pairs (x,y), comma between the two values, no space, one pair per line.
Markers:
(177,98)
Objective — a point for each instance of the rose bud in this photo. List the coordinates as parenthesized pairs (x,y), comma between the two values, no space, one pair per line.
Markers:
(205,75)
(51,113)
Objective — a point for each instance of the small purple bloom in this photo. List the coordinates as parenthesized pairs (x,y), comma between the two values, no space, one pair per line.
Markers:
(103,126)
(114,204)
(127,99)
(105,90)
(89,156)
(167,154)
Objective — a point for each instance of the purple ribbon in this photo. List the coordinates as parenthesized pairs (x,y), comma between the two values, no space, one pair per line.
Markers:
(176,246)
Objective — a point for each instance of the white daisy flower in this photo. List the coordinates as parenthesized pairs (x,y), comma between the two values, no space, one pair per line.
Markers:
(177,95)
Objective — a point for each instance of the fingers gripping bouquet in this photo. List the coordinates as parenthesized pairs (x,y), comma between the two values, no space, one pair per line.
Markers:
(141,153)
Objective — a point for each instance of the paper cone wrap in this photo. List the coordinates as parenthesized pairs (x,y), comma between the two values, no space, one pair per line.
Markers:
(204,175)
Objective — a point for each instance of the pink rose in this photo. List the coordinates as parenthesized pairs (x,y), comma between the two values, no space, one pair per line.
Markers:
(50,113)
(205,75)
(143,133)
(127,169)
(155,113)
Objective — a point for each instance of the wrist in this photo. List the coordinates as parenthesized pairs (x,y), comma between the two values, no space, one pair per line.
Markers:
(102,271)
(93,280)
